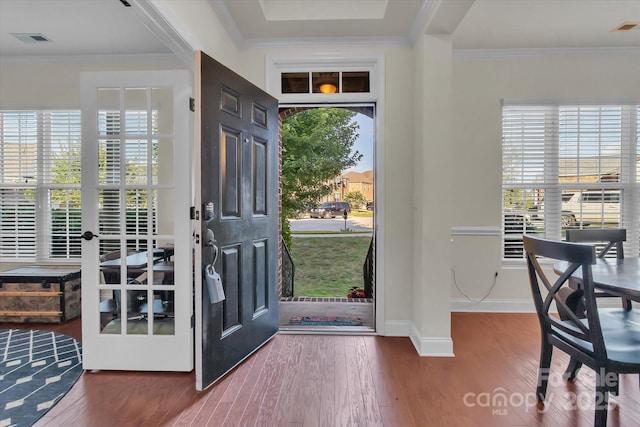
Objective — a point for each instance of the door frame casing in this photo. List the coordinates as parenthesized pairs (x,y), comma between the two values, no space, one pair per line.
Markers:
(277,64)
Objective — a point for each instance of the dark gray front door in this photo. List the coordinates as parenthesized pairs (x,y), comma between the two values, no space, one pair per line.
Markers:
(239,177)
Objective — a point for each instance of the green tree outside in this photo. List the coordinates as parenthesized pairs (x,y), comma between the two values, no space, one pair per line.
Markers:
(66,169)
(316,147)
(356,199)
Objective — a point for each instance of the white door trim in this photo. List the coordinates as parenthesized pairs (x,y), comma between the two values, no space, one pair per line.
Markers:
(375,64)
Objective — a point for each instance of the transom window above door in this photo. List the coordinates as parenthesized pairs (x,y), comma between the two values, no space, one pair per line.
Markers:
(325,82)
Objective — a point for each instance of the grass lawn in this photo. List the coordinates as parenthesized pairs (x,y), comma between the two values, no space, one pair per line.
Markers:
(328,266)
(361,213)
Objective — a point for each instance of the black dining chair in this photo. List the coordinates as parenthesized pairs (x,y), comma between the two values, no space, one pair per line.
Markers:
(112,305)
(605,239)
(607,340)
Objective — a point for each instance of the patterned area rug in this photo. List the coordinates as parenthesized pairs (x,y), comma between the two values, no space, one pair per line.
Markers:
(37,368)
(325,321)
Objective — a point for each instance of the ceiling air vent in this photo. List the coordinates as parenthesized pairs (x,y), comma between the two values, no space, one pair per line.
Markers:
(31,37)
(626,26)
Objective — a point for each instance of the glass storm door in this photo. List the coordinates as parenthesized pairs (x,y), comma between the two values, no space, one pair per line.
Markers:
(137,276)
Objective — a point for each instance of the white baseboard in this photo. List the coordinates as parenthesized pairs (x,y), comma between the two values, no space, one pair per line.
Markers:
(433,347)
(493,306)
(443,347)
(512,305)
(397,328)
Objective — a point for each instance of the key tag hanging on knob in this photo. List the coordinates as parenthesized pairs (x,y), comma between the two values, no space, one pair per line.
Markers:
(214,285)
(214,281)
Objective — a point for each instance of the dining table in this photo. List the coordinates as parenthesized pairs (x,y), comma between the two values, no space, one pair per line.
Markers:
(136,261)
(618,277)
(137,268)
(614,276)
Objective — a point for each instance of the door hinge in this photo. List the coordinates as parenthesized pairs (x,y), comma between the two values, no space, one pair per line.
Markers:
(192,104)
(193,320)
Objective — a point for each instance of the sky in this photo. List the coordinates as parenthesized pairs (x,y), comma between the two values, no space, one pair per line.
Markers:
(364,143)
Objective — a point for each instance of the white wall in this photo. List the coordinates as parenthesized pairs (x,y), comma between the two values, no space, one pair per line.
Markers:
(55,83)
(480,85)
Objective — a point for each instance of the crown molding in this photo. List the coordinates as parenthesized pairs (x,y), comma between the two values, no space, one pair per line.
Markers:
(91,59)
(417,28)
(544,52)
(229,23)
(423,18)
(328,42)
(164,31)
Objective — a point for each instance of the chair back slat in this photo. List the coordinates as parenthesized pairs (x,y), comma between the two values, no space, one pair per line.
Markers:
(612,237)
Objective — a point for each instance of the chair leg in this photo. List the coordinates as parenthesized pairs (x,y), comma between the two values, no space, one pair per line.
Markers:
(572,370)
(615,389)
(574,299)
(546,351)
(602,401)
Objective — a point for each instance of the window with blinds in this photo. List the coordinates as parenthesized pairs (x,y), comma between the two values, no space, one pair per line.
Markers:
(40,172)
(569,166)
(39,185)
(130,166)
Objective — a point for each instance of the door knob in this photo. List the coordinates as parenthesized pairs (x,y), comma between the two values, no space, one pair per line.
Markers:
(88,235)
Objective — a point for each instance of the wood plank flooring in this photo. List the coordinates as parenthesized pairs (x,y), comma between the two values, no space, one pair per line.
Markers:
(351,380)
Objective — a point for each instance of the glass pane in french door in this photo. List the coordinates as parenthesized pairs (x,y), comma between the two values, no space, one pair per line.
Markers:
(136,211)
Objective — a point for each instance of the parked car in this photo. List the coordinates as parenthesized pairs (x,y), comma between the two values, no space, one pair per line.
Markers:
(330,209)
(369,206)
(592,206)
(589,207)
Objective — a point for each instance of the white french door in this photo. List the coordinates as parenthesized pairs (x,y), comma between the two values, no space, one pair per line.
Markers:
(137,277)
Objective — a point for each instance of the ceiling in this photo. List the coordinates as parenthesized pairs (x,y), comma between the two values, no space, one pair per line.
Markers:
(75,27)
(107,27)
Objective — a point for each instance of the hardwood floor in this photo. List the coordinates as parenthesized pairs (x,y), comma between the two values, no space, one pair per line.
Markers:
(349,380)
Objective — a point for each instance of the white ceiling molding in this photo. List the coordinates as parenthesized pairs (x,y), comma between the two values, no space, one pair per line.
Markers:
(541,52)
(164,31)
(418,27)
(336,42)
(229,23)
(92,59)
(322,10)
(423,18)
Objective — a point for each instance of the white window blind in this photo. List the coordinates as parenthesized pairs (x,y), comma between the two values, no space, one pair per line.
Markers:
(40,196)
(569,166)
(39,185)
(18,178)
